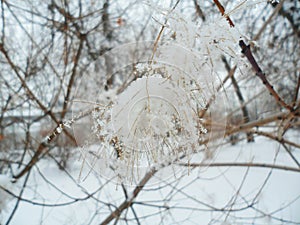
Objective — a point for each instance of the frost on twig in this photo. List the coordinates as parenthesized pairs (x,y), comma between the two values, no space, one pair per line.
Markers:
(153,118)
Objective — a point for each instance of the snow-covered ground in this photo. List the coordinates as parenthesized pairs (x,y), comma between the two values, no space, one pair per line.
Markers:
(211,195)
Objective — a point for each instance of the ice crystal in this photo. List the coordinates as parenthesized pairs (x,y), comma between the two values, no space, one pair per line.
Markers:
(152,118)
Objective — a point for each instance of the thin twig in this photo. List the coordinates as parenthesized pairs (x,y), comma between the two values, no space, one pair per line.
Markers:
(296,91)
(18,200)
(199,10)
(128,202)
(52,136)
(246,117)
(273,137)
(275,12)
(291,154)
(30,93)
(202,112)
(72,78)
(242,164)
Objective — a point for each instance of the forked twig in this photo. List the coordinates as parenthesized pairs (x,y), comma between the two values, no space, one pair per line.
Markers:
(128,202)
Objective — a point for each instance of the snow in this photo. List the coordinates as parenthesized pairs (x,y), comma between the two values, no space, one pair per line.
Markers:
(4,197)
(199,188)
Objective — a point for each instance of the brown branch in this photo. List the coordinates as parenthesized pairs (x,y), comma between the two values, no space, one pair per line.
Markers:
(294,103)
(260,122)
(273,137)
(199,11)
(131,207)
(246,117)
(34,159)
(247,52)
(222,10)
(161,32)
(52,136)
(68,16)
(30,93)
(72,78)
(18,200)
(31,39)
(128,202)
(229,130)
(291,154)
(43,145)
(241,164)
(282,141)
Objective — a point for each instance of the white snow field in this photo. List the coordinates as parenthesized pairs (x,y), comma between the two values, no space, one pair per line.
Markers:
(209,195)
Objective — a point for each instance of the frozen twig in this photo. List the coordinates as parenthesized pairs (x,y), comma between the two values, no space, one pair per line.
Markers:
(53,135)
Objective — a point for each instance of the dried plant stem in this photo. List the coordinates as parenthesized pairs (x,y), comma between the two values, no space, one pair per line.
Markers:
(259,122)
(256,123)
